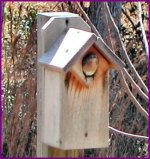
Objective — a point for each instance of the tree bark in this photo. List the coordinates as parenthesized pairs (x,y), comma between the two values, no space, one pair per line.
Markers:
(96,14)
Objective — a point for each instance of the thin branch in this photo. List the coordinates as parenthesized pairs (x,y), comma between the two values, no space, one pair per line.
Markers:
(88,20)
(108,34)
(136,103)
(142,28)
(138,89)
(55,6)
(128,134)
(142,84)
(123,11)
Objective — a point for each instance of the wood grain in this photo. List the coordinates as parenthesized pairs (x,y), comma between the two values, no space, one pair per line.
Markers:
(75,117)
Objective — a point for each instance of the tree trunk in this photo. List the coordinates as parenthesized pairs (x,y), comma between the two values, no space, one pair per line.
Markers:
(96,14)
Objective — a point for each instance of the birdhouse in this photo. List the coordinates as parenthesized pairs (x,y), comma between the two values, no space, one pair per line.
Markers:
(75,110)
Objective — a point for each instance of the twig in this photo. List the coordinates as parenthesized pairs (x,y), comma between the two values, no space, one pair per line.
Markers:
(136,103)
(128,134)
(108,35)
(123,50)
(123,11)
(88,20)
(135,85)
(55,6)
(142,28)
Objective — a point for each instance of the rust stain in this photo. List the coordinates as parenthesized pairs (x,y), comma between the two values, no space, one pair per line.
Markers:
(72,83)
(105,80)
(67,79)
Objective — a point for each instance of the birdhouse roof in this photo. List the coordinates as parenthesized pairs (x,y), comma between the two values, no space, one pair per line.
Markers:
(71,46)
(67,49)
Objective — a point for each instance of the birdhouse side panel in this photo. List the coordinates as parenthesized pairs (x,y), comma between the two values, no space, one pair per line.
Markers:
(84,118)
(51,108)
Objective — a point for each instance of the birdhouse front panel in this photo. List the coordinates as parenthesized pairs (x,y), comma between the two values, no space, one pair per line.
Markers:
(75,116)
(86,115)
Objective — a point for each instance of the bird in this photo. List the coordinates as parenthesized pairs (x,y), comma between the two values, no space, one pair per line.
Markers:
(90,65)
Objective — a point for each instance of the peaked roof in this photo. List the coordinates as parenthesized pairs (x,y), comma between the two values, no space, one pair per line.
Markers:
(70,46)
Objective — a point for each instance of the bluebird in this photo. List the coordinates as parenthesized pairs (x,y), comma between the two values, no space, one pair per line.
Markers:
(90,65)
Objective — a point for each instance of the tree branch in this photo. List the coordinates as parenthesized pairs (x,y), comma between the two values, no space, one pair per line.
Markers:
(138,89)
(123,50)
(88,20)
(127,134)
(123,11)
(142,28)
(136,103)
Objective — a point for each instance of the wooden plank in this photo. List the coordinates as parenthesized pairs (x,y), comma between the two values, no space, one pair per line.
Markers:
(52,108)
(54,152)
(42,149)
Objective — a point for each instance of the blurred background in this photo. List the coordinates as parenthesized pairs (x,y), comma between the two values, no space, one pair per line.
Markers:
(19,77)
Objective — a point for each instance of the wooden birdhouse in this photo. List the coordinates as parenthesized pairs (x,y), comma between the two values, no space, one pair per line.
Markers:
(75,62)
